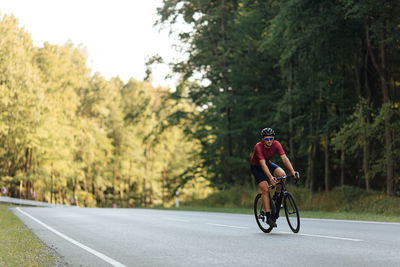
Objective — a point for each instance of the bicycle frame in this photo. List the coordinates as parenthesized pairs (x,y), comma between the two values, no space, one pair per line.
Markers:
(280,181)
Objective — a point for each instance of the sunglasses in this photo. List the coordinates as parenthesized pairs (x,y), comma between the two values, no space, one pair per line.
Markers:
(269,139)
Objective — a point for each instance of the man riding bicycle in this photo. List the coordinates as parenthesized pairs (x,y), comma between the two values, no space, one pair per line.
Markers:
(264,169)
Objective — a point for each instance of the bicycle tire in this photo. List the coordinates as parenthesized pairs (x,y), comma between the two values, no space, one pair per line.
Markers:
(290,208)
(261,220)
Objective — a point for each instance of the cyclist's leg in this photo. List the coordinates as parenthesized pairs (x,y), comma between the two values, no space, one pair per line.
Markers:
(261,180)
(277,172)
(264,187)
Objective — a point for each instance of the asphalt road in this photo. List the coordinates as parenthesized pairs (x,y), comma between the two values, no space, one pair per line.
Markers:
(141,237)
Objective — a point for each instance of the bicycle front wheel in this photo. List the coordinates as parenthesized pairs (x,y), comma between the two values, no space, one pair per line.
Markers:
(291,212)
(260,218)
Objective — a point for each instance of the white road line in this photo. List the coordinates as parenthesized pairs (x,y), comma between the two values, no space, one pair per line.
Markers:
(94,252)
(350,221)
(176,220)
(224,225)
(325,236)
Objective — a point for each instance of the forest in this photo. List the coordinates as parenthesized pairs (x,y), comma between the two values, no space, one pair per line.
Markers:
(71,137)
(323,74)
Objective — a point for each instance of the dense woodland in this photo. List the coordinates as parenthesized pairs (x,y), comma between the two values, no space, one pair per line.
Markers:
(69,136)
(323,74)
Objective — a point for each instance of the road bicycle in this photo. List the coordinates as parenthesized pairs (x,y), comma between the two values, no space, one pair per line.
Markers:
(289,206)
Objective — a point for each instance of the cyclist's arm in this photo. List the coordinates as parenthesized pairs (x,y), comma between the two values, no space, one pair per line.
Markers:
(287,163)
(267,172)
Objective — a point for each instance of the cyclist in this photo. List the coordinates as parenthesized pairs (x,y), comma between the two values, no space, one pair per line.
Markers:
(265,170)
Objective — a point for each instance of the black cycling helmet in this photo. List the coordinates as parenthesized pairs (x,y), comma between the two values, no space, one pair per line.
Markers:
(267,132)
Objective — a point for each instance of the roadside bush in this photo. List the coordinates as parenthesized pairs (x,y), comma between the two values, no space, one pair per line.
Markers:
(339,199)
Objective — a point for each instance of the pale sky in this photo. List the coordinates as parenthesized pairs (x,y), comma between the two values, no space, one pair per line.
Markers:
(118,34)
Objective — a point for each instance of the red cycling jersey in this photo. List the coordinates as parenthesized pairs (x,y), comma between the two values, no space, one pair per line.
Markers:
(261,152)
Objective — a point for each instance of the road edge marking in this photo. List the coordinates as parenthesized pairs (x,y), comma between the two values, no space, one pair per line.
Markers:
(351,221)
(88,249)
(325,236)
(225,225)
(176,219)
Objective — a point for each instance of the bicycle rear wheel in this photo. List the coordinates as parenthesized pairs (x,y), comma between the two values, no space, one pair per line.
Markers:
(261,219)
(291,212)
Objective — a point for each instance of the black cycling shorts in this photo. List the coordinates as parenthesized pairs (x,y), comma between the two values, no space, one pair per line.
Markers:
(259,173)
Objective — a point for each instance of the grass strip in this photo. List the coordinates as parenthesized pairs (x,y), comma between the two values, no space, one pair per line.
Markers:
(303,214)
(349,216)
(19,246)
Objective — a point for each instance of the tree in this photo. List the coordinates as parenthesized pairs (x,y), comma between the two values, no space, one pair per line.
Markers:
(20,103)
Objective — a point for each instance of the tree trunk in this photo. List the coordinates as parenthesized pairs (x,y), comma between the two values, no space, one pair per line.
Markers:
(388,132)
(63,195)
(366,122)
(389,158)
(27,189)
(308,172)
(26,160)
(228,168)
(291,131)
(312,173)
(85,180)
(342,160)
(311,159)
(21,185)
(314,144)
(51,186)
(164,184)
(383,75)
(365,151)
(229,177)
(327,178)
(94,191)
(147,157)
(121,192)
(74,185)
(30,160)
(314,152)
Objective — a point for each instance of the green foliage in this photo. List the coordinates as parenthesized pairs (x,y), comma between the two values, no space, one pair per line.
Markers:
(316,71)
(340,199)
(20,94)
(350,199)
(238,197)
(71,137)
